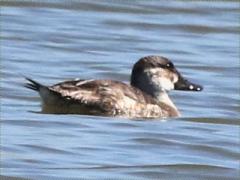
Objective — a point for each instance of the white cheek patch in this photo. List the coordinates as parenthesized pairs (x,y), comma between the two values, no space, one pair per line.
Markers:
(165,84)
(160,82)
(153,70)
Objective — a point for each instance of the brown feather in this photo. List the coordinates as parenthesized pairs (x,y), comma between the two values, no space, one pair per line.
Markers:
(102,97)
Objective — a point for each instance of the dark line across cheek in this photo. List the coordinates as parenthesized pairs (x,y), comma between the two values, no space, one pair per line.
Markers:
(172,78)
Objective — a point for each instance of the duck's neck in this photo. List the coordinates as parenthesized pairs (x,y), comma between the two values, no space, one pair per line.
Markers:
(157,93)
(164,98)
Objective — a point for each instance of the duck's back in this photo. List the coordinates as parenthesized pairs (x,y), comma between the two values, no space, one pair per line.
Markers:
(100,97)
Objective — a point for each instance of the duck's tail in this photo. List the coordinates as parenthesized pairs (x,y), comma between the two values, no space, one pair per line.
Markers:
(33,84)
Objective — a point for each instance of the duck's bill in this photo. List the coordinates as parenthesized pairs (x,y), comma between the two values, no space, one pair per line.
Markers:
(185,85)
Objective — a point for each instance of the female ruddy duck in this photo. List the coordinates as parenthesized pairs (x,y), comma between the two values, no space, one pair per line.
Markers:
(146,96)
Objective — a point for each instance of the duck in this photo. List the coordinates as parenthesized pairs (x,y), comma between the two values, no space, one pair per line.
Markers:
(146,96)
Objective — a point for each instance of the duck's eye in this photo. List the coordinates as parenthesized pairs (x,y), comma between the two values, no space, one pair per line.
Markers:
(169,65)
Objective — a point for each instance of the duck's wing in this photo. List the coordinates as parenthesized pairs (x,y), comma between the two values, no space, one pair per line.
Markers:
(81,91)
(98,97)
(110,97)
(95,90)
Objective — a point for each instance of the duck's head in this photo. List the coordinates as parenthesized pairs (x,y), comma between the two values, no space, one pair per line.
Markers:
(155,74)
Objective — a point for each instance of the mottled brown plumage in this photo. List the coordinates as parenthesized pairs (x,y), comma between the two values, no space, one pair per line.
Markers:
(151,78)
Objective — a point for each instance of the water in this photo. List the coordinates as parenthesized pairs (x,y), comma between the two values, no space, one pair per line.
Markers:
(52,41)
